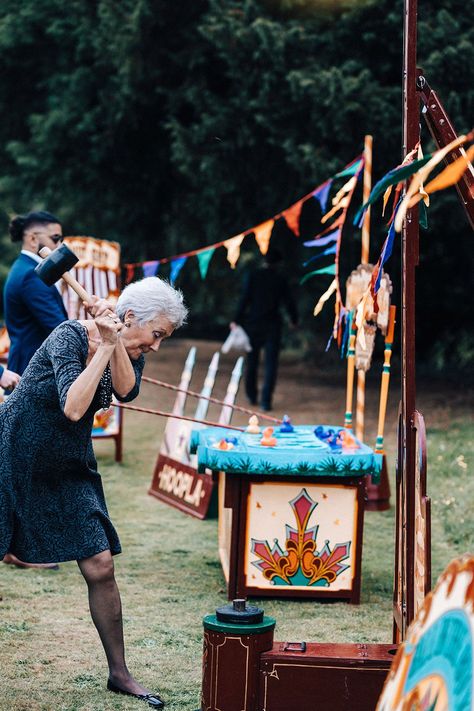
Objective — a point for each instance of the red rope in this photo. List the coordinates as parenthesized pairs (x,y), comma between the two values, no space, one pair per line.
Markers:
(260,415)
(177,417)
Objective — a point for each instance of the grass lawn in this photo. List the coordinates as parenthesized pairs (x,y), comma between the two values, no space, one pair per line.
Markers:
(170,576)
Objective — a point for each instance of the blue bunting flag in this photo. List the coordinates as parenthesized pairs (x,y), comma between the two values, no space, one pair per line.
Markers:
(176,266)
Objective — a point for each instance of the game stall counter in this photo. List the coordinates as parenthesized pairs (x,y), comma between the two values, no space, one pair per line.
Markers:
(291,508)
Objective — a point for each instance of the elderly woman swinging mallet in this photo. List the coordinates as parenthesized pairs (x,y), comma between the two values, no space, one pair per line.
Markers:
(52,505)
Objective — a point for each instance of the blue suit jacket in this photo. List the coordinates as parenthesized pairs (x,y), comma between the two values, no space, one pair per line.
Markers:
(32,311)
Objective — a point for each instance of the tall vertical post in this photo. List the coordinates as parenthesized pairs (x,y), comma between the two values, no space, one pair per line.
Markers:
(364,258)
(404,575)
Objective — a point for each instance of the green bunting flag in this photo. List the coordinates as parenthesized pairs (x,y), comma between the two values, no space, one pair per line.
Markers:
(351,170)
(331,269)
(204,258)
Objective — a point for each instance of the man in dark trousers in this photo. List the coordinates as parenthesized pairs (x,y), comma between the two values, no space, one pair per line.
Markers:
(32,309)
(265,291)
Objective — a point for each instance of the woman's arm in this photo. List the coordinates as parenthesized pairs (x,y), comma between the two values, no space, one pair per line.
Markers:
(81,392)
(83,389)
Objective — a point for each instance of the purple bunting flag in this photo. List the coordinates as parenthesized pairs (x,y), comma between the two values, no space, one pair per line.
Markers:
(322,193)
(150,268)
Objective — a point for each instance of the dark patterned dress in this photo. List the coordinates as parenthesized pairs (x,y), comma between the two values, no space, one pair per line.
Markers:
(52,505)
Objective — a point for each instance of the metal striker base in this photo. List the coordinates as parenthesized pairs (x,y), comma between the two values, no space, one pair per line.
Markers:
(234,639)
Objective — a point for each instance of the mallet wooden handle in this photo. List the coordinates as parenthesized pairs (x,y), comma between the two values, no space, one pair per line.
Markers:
(73,283)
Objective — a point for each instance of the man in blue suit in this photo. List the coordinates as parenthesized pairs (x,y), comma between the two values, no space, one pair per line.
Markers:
(32,309)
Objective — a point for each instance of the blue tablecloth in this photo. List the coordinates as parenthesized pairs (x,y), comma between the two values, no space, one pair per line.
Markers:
(300,452)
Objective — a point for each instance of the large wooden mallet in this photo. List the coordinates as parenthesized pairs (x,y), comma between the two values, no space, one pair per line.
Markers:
(56,265)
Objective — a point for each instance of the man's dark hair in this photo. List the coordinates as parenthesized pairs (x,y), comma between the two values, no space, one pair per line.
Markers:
(21,223)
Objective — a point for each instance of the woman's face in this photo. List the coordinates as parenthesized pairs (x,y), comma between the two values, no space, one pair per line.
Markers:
(143,339)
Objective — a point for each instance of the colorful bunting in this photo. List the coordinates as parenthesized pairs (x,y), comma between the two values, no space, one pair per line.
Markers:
(150,268)
(331,269)
(262,235)
(203,259)
(322,193)
(233,249)
(176,266)
(292,217)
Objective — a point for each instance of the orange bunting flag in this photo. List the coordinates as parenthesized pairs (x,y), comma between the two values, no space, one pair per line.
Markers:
(233,249)
(292,217)
(262,235)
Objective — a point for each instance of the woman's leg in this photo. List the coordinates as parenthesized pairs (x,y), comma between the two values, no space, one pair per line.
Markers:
(106,612)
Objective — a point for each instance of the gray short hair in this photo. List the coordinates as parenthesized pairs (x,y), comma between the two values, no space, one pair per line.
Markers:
(152,297)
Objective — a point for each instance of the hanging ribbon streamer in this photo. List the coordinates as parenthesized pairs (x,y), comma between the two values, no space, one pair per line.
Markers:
(329,250)
(322,300)
(203,259)
(449,176)
(262,235)
(150,268)
(292,217)
(422,174)
(321,194)
(176,266)
(321,241)
(233,249)
(331,269)
(394,176)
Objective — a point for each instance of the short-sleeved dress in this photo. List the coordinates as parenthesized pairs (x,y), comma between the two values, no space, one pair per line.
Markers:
(52,505)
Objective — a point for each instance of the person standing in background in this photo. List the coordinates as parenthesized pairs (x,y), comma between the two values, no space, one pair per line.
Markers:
(265,291)
(32,309)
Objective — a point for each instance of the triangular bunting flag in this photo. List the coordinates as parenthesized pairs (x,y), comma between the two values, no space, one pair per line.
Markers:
(322,193)
(351,170)
(233,249)
(319,306)
(203,259)
(262,235)
(331,269)
(150,268)
(292,217)
(176,266)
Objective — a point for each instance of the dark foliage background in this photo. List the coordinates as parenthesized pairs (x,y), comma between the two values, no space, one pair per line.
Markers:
(169,126)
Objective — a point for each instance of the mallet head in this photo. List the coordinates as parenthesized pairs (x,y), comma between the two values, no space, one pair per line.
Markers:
(58,262)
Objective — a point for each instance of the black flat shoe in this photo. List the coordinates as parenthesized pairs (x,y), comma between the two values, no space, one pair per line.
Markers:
(151,699)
